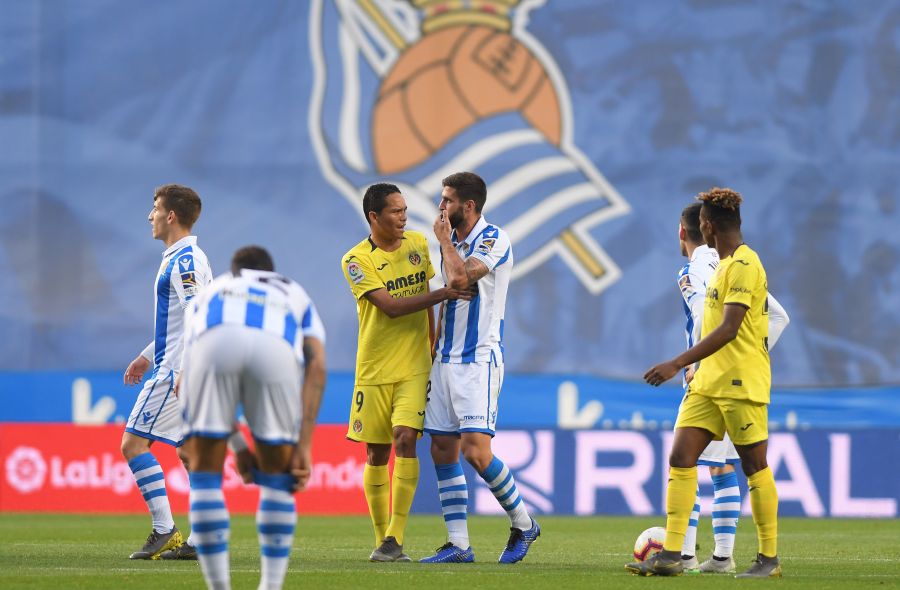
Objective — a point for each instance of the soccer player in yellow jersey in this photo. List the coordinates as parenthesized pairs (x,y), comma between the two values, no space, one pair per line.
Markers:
(729,392)
(388,274)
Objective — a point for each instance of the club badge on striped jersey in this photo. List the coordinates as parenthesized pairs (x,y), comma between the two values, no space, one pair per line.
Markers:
(371,61)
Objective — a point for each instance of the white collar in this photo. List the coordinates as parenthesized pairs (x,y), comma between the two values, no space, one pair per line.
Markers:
(473,235)
(702,249)
(185,241)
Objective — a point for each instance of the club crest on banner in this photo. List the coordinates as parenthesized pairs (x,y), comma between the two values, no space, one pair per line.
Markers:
(409,91)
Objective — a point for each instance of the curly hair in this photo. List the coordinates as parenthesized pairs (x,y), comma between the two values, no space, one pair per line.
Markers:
(723,205)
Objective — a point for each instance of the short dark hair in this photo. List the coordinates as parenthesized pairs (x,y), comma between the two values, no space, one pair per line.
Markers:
(723,206)
(183,200)
(251,257)
(690,221)
(469,187)
(376,197)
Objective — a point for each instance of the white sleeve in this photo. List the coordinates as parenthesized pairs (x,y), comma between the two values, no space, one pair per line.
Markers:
(693,291)
(186,278)
(778,320)
(147,353)
(311,324)
(492,248)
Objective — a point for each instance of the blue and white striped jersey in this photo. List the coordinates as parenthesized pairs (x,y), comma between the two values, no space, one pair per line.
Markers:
(183,272)
(258,299)
(692,280)
(472,331)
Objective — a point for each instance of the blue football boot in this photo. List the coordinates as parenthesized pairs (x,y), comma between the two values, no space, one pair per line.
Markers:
(450,553)
(519,542)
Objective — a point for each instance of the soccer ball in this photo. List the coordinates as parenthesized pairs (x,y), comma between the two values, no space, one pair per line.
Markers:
(649,543)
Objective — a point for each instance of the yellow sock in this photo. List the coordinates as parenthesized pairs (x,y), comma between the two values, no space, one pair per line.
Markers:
(378,496)
(680,495)
(403,489)
(764,502)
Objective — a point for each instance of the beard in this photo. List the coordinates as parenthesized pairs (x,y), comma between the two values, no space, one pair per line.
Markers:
(455,219)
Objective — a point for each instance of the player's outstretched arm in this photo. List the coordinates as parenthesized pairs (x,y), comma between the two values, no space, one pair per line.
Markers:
(311,398)
(715,340)
(394,308)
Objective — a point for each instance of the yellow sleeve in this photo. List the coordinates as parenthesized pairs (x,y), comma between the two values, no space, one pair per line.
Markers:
(429,268)
(740,282)
(360,275)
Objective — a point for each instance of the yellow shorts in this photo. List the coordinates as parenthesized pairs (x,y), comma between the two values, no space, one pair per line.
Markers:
(376,409)
(745,422)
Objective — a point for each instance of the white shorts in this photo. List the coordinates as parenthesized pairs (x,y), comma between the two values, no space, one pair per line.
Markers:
(156,414)
(230,365)
(719,453)
(462,397)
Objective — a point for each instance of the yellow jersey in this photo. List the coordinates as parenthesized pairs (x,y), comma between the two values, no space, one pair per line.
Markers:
(740,369)
(390,350)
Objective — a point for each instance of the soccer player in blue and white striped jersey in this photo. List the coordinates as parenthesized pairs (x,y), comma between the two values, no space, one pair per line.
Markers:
(461,410)
(156,416)
(254,339)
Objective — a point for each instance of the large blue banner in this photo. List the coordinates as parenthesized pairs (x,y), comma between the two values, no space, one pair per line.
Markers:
(526,402)
(594,124)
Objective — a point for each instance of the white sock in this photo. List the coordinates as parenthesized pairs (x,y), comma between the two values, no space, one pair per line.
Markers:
(210,528)
(726,509)
(276,520)
(690,536)
(151,482)
(454,495)
(503,485)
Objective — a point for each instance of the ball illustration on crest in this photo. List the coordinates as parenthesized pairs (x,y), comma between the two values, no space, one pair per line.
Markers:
(454,76)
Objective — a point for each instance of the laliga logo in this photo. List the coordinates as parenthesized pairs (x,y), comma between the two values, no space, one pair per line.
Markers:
(412,91)
(26,469)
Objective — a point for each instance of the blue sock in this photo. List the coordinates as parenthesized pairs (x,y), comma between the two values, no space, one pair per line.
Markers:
(726,510)
(690,536)
(454,494)
(276,520)
(502,484)
(152,483)
(210,527)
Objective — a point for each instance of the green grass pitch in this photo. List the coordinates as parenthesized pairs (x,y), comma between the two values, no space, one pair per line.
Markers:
(90,551)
